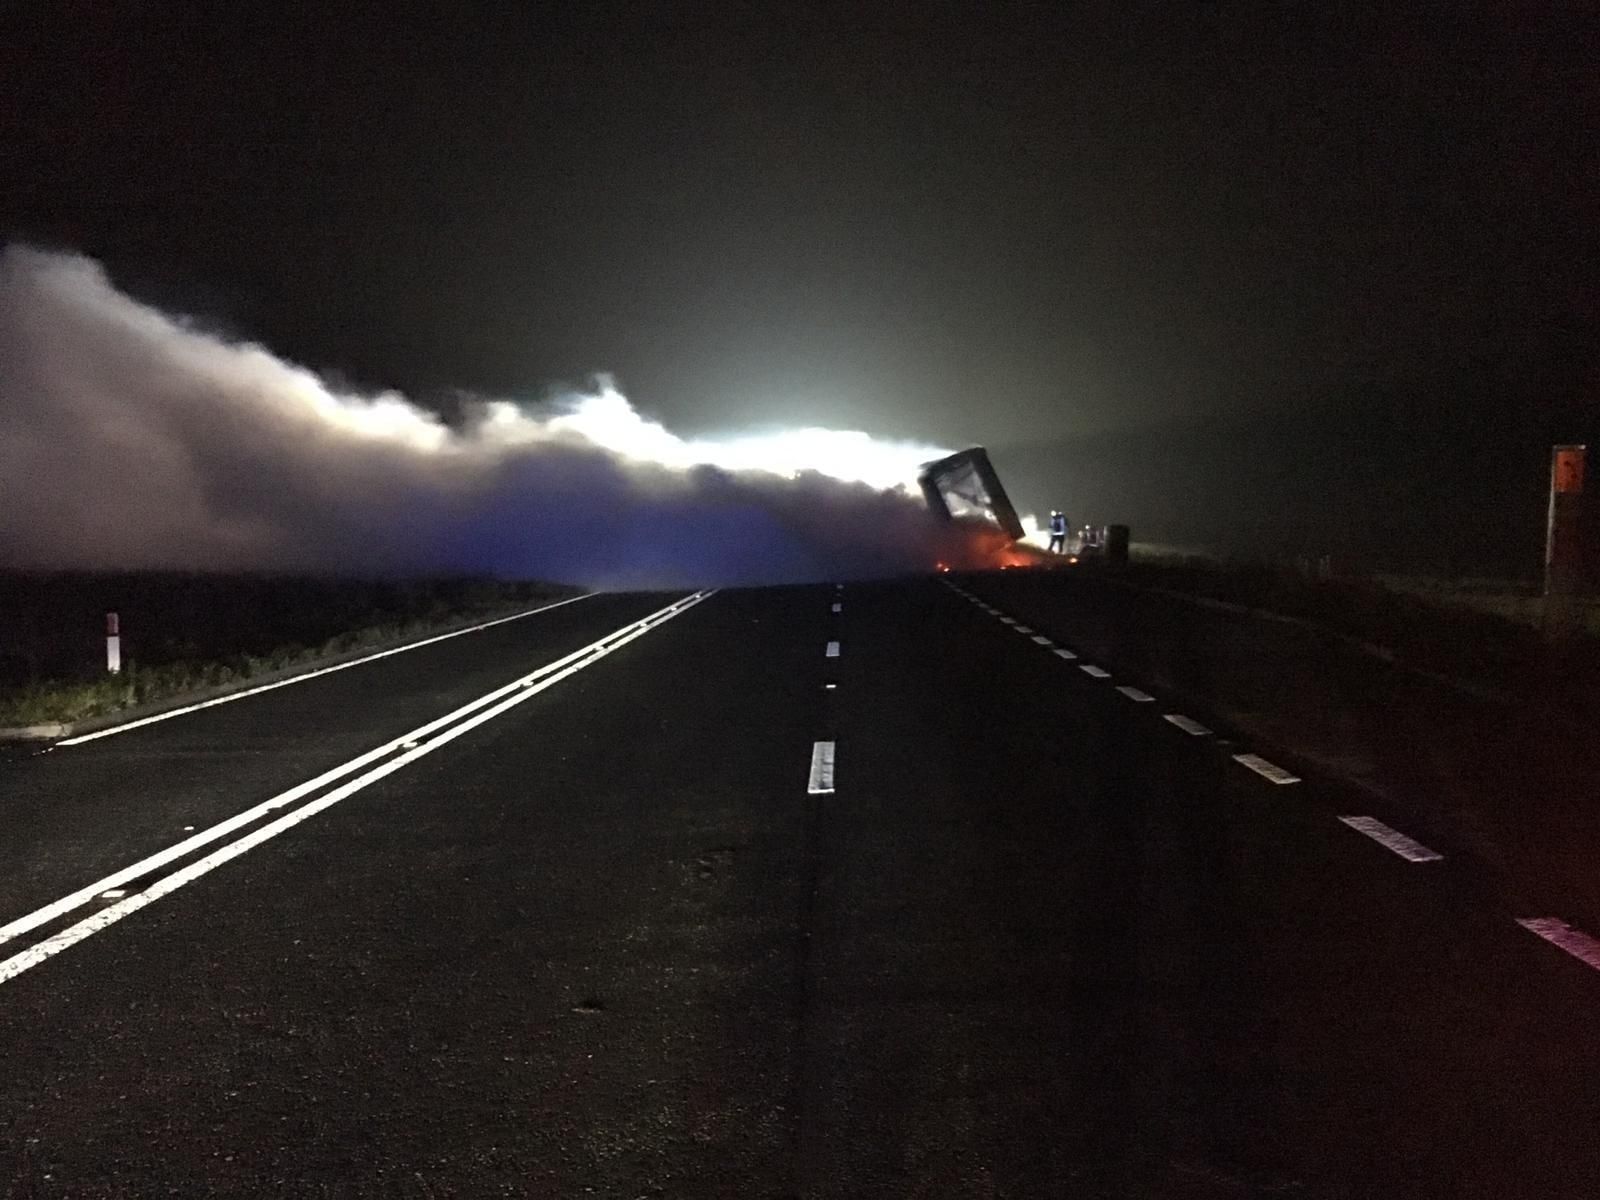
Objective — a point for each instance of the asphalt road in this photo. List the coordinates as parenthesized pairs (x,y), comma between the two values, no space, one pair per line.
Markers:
(607,933)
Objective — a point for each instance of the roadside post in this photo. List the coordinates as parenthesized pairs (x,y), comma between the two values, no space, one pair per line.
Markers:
(113,645)
(1562,541)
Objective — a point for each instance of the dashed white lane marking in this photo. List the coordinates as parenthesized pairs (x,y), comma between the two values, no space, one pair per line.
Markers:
(301,678)
(830,686)
(1040,640)
(1134,694)
(1558,933)
(832,651)
(1022,629)
(1192,727)
(1393,839)
(837,607)
(1097,672)
(1008,620)
(1265,769)
(821,781)
(508,695)
(1066,654)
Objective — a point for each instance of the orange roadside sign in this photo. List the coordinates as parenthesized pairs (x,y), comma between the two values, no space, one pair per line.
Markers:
(1566,470)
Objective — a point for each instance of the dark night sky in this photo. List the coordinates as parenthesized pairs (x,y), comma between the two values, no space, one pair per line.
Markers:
(1158,257)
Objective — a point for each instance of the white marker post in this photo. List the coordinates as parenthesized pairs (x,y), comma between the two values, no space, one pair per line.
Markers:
(113,645)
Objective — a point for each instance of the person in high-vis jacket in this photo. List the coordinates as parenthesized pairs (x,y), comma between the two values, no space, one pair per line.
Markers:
(1058,532)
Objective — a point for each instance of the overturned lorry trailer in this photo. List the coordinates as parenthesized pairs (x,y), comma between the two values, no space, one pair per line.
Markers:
(964,484)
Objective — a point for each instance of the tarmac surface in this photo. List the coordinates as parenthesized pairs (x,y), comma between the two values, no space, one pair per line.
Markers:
(610,933)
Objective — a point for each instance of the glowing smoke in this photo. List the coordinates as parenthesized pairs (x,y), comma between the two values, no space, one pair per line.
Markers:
(130,438)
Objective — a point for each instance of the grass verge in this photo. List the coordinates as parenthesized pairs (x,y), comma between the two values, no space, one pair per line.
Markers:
(1447,631)
(376,616)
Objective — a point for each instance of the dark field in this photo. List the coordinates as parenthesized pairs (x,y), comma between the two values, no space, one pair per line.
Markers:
(187,630)
(1482,637)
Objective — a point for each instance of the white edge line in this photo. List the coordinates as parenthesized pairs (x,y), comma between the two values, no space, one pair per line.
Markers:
(301,678)
(820,782)
(178,850)
(1392,839)
(1558,933)
(34,955)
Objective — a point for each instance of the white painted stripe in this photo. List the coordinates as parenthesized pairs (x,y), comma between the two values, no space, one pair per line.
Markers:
(821,781)
(1097,672)
(278,683)
(1134,694)
(832,651)
(1192,727)
(1558,933)
(523,687)
(1265,769)
(837,607)
(1022,629)
(1008,620)
(18,963)
(1040,640)
(1066,654)
(1393,839)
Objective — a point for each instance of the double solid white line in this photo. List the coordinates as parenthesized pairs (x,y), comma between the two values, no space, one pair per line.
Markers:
(438,732)
(304,675)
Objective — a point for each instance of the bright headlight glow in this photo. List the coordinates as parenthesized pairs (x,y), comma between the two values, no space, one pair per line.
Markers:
(1037,534)
(608,420)
(135,439)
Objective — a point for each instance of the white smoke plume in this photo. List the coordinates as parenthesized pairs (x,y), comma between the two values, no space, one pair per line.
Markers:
(130,438)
